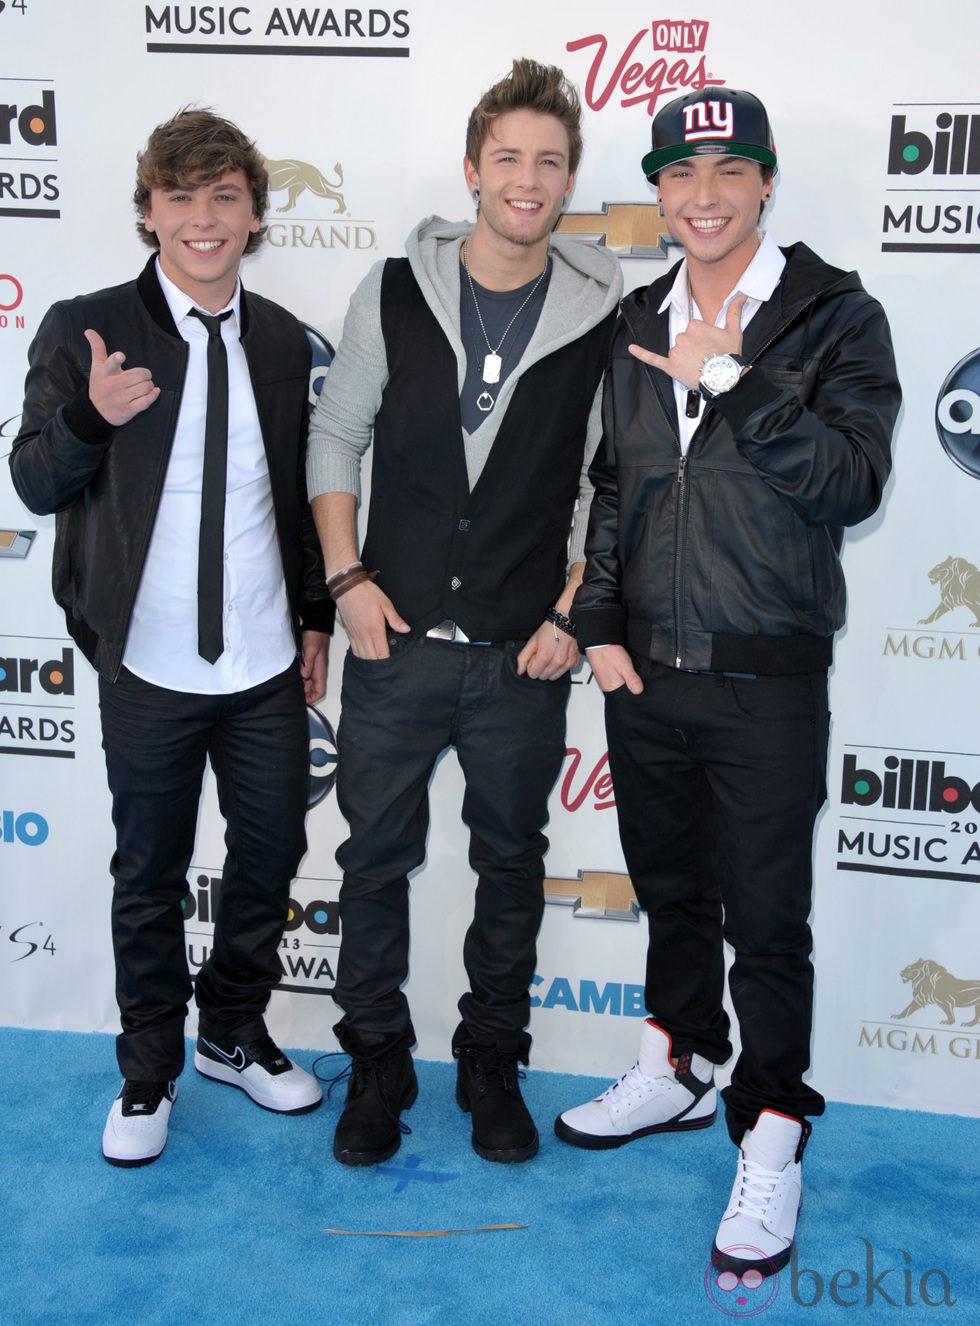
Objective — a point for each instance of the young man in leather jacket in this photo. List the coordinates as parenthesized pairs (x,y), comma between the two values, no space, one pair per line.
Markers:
(748,413)
(135,396)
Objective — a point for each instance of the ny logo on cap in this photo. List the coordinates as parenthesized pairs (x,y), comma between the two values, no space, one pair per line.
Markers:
(708,119)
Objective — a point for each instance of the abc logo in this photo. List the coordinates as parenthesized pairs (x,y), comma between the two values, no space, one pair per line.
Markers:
(958,414)
(322,357)
(323,758)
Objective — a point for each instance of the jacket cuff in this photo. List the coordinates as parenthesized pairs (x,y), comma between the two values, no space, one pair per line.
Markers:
(756,391)
(84,421)
(599,626)
(319,615)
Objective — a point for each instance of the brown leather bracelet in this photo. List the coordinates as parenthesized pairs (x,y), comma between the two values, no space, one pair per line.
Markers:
(342,584)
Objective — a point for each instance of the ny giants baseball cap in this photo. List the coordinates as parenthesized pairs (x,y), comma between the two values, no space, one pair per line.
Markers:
(714,120)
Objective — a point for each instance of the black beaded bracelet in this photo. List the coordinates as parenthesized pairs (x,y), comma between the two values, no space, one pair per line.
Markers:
(561,621)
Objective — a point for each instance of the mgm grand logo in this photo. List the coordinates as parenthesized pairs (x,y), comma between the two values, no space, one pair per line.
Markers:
(957,583)
(322,220)
(933,988)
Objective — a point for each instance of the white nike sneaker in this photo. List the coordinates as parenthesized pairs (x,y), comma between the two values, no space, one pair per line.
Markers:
(756,1231)
(653,1097)
(261,1070)
(136,1130)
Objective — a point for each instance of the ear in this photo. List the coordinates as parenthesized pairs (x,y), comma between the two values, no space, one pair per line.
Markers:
(255,222)
(148,222)
(471,174)
(569,186)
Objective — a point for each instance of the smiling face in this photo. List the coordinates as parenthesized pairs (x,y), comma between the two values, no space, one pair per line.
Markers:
(202,231)
(524,178)
(712,206)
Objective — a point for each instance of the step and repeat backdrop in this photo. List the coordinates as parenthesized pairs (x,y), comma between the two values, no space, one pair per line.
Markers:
(361,113)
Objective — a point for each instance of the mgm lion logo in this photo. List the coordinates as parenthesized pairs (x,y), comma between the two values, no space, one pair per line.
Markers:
(932,984)
(296,177)
(959,587)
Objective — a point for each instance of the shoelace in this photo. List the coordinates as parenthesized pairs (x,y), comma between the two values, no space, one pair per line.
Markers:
(757,1187)
(143,1097)
(631,1083)
(493,1069)
(342,1076)
(264,1051)
(365,1065)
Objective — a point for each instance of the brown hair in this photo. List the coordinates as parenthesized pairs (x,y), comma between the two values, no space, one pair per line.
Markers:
(529,86)
(196,147)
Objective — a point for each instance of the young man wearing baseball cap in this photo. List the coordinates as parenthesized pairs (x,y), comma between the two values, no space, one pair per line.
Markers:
(748,413)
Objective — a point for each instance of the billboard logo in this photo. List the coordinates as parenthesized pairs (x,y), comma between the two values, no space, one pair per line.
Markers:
(27,828)
(30,125)
(35,125)
(281,31)
(933,154)
(310,934)
(877,788)
(952,148)
(904,784)
(55,677)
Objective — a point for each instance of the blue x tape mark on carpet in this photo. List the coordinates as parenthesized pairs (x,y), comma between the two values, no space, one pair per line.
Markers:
(409,1172)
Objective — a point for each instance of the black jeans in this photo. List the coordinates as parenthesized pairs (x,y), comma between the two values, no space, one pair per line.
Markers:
(397,716)
(718,783)
(156,743)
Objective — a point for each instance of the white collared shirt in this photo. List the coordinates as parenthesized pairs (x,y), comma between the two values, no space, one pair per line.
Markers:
(162,643)
(758,281)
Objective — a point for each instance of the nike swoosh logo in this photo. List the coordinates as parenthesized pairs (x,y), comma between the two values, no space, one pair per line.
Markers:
(236,1060)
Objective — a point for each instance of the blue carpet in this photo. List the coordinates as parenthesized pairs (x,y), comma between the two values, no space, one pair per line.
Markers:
(229,1225)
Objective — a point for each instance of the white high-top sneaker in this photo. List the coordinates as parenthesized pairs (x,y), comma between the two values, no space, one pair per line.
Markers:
(756,1231)
(653,1097)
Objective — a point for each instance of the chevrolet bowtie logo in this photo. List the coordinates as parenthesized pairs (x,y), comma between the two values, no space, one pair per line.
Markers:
(631,230)
(597,893)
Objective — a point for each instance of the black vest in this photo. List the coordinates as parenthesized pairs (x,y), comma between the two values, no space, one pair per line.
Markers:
(493,559)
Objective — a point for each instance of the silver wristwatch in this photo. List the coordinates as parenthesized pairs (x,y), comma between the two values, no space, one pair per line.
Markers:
(719,373)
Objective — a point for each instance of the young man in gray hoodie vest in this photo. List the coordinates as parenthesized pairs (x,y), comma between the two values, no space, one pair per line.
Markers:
(474,367)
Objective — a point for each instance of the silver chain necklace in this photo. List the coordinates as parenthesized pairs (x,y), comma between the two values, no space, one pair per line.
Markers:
(492,362)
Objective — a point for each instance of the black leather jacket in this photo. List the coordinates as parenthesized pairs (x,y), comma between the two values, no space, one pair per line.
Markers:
(728,559)
(105,483)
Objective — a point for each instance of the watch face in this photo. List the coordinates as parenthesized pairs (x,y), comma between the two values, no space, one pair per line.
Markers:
(719,374)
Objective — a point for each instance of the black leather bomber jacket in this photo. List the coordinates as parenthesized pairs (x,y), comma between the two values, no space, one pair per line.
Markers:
(104,483)
(727,559)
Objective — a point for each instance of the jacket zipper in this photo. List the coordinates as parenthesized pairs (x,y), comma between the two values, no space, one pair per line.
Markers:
(680,527)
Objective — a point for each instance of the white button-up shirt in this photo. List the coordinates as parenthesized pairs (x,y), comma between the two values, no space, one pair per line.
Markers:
(758,281)
(259,644)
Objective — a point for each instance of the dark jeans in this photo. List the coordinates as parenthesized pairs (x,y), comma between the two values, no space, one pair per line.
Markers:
(718,783)
(156,744)
(397,716)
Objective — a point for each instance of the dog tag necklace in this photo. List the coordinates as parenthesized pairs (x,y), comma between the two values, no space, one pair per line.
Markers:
(492,362)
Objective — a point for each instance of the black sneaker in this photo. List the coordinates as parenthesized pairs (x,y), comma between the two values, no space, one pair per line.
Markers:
(262,1071)
(136,1130)
(382,1084)
(488,1088)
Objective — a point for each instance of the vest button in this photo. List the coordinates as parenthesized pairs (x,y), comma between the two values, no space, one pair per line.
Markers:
(455,583)
(464,525)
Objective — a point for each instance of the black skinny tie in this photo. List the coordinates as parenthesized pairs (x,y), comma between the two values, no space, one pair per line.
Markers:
(211,544)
